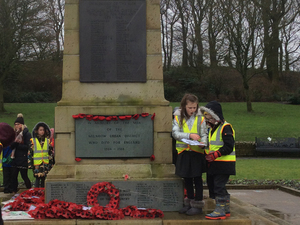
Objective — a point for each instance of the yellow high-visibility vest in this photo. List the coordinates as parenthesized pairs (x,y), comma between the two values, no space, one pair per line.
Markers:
(40,154)
(216,142)
(181,146)
(1,157)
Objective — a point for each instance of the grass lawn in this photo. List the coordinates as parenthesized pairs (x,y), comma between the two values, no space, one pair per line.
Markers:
(266,120)
(32,112)
(267,168)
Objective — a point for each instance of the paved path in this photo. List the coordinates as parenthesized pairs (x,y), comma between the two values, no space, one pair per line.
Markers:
(278,203)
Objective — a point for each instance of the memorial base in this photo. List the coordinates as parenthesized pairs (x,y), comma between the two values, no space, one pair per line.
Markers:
(142,185)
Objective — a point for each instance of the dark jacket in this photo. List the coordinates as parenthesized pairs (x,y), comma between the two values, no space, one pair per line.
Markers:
(21,153)
(220,167)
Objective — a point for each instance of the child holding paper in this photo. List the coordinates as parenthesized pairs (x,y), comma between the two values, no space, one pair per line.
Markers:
(189,123)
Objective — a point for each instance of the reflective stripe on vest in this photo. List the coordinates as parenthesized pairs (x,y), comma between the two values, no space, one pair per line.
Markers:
(216,142)
(1,160)
(40,154)
(181,146)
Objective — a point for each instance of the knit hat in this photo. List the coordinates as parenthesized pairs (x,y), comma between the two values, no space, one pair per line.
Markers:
(7,134)
(214,108)
(20,119)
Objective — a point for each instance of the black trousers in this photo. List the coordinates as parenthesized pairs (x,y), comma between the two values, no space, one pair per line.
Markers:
(7,179)
(15,173)
(1,220)
(217,184)
(189,186)
(40,182)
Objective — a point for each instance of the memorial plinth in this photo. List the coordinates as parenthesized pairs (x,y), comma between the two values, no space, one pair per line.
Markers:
(103,77)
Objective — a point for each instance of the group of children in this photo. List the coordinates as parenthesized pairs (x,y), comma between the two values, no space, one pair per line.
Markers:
(215,155)
(27,151)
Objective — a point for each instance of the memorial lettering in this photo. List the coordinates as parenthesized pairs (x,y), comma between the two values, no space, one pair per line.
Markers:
(159,194)
(114,139)
(112,40)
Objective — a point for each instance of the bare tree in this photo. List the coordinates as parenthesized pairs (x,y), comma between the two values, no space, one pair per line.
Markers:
(242,20)
(55,15)
(19,22)
(169,16)
(215,29)
(290,40)
(184,21)
(276,14)
(198,14)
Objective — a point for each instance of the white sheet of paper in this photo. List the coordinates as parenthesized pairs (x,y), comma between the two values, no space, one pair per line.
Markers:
(16,215)
(192,142)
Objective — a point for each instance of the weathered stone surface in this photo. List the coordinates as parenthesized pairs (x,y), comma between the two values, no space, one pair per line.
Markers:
(153,16)
(71,46)
(154,67)
(166,195)
(71,67)
(153,41)
(71,17)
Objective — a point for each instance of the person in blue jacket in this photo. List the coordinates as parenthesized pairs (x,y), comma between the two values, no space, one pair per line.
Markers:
(7,169)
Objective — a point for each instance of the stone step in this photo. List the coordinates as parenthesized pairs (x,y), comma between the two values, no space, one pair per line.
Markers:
(241,213)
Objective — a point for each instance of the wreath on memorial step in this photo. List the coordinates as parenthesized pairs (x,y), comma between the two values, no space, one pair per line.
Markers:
(33,202)
(104,187)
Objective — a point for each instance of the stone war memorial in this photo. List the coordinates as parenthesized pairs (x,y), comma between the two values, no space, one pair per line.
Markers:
(113,123)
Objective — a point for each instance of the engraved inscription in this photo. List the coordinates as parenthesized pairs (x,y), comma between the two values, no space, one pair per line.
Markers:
(158,194)
(99,139)
(112,40)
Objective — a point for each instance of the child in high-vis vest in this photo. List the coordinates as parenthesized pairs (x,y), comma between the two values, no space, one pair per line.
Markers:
(40,154)
(220,158)
(189,123)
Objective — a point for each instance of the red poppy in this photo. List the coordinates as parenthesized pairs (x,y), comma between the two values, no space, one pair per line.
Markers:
(153,116)
(145,114)
(108,118)
(66,214)
(81,115)
(49,213)
(122,117)
(115,118)
(89,117)
(101,118)
(78,159)
(65,205)
(59,211)
(150,216)
(152,158)
(75,116)
(126,211)
(136,116)
(159,213)
(95,118)
(40,216)
(126,177)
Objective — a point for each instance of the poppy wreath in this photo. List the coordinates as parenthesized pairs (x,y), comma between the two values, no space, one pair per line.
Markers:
(109,118)
(104,187)
(60,209)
